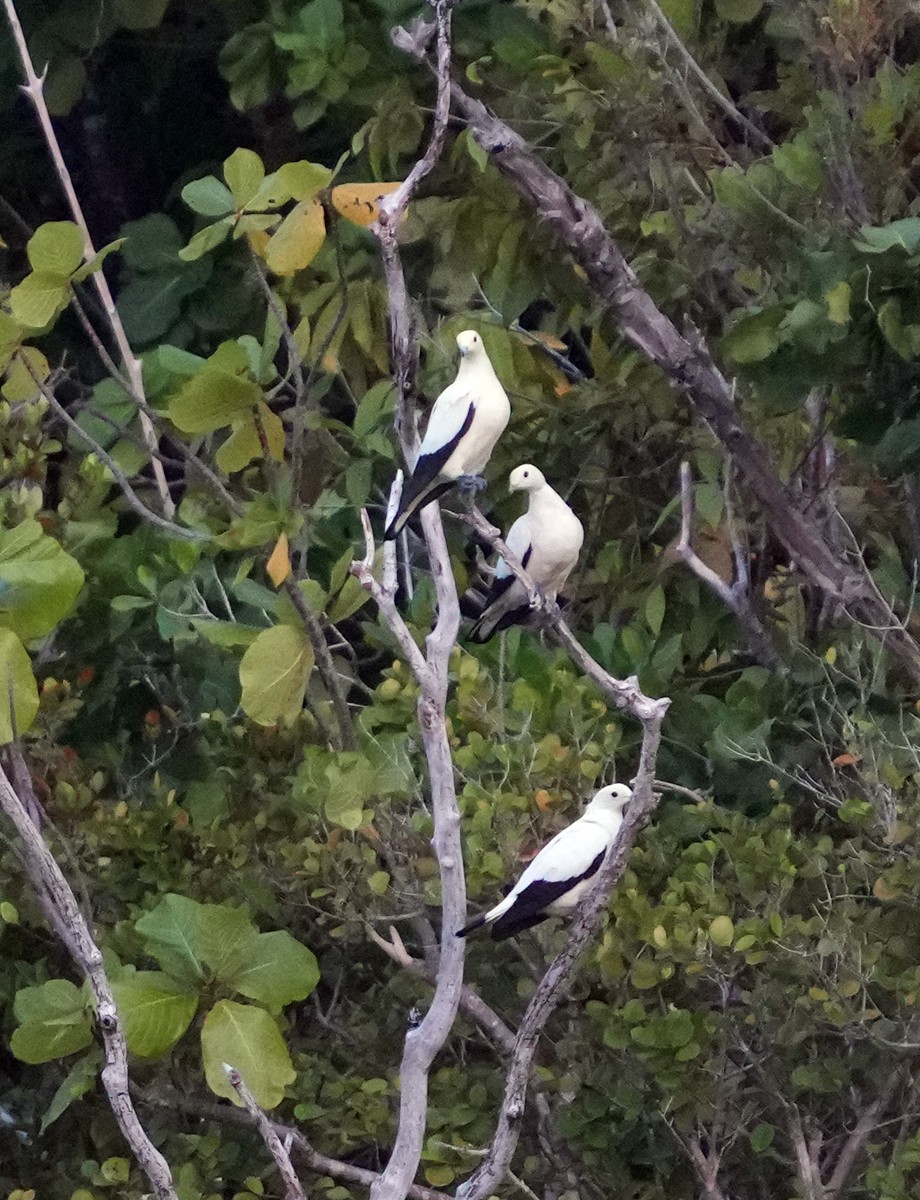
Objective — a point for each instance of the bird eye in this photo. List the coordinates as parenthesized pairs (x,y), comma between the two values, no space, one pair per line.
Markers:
(526,474)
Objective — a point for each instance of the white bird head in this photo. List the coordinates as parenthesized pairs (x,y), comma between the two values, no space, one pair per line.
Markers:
(526,478)
(469,343)
(610,800)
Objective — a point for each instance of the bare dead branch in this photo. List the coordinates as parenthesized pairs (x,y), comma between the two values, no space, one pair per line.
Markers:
(554,984)
(321,1164)
(431,669)
(293,1188)
(392,208)
(687,363)
(855,1142)
(63,913)
(734,596)
(706,1164)
(34,89)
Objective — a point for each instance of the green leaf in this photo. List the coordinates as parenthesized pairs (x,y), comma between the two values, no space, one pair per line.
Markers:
(902,235)
(754,338)
(277,970)
(248,1039)
(274,674)
(722,931)
(56,248)
(155,1011)
(209,197)
(172,936)
(140,14)
(213,399)
(53,1022)
(738,11)
(351,785)
(762,1138)
(16,675)
(302,180)
(838,302)
(654,609)
(379,882)
(800,163)
(298,239)
(79,1080)
(95,263)
(39,581)
(152,243)
(206,239)
(36,301)
(244,171)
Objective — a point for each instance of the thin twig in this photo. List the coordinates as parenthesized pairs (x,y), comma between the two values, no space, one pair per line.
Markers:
(734,596)
(34,89)
(63,913)
(324,664)
(166,1097)
(147,514)
(293,1188)
(708,86)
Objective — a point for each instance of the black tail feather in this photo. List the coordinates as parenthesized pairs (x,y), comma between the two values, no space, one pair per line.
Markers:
(411,501)
(471,928)
(509,925)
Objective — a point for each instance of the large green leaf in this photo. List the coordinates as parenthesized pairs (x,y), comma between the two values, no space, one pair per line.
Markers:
(155,1011)
(53,1022)
(15,677)
(213,399)
(738,11)
(274,674)
(248,1039)
(276,971)
(56,248)
(36,301)
(39,581)
(173,938)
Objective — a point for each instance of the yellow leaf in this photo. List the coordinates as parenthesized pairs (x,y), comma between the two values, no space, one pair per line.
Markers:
(849,988)
(297,240)
(259,239)
(830,656)
(360,202)
(722,931)
(817,993)
(279,563)
(548,339)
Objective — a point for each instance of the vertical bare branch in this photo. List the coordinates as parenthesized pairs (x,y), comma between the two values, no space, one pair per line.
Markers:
(735,596)
(293,1188)
(855,1142)
(392,208)
(423,1042)
(34,89)
(63,913)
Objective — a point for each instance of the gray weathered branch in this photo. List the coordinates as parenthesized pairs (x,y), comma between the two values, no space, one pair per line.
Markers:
(63,914)
(293,1188)
(687,363)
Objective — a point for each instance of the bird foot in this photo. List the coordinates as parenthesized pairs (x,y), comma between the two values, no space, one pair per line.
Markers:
(471,484)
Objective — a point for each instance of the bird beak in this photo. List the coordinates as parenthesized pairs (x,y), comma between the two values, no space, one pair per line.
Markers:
(464,351)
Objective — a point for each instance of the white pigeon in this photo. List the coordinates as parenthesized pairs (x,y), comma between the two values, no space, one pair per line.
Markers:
(466,421)
(546,541)
(562,872)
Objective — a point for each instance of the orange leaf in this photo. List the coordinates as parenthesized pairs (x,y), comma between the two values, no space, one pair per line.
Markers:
(279,563)
(548,339)
(360,202)
(884,891)
(845,760)
(543,799)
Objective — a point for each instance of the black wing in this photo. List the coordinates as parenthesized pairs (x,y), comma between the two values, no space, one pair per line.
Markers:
(530,907)
(484,629)
(417,489)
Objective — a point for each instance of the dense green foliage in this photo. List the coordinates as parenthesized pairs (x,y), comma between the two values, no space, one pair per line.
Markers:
(758,976)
